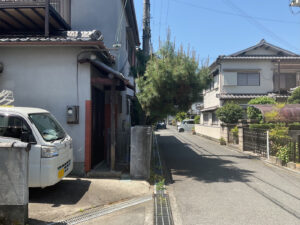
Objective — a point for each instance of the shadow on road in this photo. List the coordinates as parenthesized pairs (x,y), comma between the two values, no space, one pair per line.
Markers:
(66,192)
(181,160)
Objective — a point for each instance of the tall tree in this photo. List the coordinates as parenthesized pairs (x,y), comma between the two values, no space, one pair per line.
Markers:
(171,83)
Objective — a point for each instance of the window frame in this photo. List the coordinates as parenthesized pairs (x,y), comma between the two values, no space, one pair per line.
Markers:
(214,119)
(205,122)
(247,74)
(23,121)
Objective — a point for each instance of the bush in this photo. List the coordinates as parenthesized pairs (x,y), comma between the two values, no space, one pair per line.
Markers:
(222,141)
(295,97)
(230,113)
(235,131)
(263,126)
(181,116)
(283,153)
(254,113)
(197,119)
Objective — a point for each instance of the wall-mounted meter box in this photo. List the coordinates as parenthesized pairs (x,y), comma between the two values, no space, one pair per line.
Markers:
(73,114)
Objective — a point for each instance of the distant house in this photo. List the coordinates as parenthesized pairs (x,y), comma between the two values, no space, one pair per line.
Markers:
(74,54)
(261,70)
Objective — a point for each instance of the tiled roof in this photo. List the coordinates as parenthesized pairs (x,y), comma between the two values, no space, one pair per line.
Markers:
(65,36)
(250,96)
(270,57)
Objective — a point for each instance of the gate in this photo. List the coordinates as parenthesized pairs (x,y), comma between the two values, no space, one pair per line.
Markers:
(255,140)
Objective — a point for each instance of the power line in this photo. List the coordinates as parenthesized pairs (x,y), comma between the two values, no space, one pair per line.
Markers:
(259,25)
(234,14)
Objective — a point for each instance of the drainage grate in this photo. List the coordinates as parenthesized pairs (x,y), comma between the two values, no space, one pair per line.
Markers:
(162,213)
(95,213)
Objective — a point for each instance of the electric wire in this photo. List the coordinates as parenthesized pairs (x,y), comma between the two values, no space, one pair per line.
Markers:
(235,14)
(258,25)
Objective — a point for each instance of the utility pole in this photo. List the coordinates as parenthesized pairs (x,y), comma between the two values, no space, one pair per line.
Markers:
(146,28)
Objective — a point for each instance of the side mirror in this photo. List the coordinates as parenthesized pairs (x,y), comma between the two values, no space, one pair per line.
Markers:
(27,137)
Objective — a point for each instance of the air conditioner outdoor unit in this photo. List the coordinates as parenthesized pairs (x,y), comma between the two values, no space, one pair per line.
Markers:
(295,3)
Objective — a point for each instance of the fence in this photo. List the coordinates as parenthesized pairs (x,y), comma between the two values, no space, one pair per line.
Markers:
(255,140)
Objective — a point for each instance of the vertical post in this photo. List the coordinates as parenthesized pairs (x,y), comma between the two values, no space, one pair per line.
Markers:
(113,127)
(268,145)
(47,2)
(299,148)
(146,28)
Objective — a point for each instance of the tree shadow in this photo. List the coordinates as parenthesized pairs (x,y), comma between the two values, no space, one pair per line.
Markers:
(179,160)
(66,192)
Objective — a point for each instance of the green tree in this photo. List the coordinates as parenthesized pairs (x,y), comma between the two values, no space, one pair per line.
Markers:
(230,113)
(254,113)
(181,116)
(295,97)
(171,83)
(197,119)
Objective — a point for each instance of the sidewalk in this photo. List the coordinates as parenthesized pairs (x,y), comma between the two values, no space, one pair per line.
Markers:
(75,197)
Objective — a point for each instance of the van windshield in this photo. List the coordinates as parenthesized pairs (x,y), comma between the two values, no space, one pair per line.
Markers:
(48,127)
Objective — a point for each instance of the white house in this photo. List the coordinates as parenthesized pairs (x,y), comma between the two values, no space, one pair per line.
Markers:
(80,68)
(261,70)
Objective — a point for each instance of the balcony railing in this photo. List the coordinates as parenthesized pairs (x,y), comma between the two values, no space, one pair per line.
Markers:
(63,7)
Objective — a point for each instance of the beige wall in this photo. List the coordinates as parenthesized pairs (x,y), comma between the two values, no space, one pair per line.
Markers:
(209,131)
(264,67)
(210,99)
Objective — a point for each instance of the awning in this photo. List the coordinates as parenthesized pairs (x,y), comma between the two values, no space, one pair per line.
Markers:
(29,17)
(210,109)
(115,74)
(288,113)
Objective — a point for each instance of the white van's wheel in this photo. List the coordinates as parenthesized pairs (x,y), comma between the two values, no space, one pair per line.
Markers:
(181,130)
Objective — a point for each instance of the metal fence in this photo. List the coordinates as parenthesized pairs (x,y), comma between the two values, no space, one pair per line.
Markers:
(255,140)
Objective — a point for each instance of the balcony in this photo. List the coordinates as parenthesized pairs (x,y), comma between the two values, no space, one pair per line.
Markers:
(34,16)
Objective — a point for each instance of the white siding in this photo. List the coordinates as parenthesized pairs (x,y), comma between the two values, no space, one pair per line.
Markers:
(210,99)
(45,77)
(266,76)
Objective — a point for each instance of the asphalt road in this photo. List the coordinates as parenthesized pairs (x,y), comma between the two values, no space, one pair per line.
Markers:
(212,184)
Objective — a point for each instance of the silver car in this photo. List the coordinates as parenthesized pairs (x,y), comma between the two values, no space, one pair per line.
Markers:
(186,125)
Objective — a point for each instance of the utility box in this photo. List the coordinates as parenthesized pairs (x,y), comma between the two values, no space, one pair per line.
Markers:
(140,152)
(73,114)
(14,190)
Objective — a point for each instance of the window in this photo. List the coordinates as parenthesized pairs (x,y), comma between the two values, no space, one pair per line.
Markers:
(205,118)
(48,127)
(190,122)
(248,79)
(12,126)
(215,120)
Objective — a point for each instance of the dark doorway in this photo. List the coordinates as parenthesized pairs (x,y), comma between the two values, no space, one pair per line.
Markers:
(98,104)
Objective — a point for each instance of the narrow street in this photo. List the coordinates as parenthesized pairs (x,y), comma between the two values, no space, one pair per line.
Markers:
(212,184)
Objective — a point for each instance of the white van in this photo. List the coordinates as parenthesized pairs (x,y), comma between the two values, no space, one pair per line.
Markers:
(51,154)
(186,125)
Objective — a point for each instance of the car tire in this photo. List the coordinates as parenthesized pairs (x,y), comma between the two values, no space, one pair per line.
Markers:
(181,130)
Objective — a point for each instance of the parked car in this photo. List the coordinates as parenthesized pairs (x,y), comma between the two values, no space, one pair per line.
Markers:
(161,125)
(186,125)
(51,154)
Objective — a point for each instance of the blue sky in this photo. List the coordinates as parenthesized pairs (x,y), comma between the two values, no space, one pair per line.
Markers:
(222,27)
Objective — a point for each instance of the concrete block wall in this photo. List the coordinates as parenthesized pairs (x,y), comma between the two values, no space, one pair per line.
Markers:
(14,193)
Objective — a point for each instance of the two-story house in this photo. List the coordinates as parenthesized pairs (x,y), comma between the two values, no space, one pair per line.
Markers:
(74,54)
(260,70)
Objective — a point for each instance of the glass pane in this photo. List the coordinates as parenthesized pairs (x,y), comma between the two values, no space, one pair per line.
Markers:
(242,79)
(11,127)
(48,127)
(253,79)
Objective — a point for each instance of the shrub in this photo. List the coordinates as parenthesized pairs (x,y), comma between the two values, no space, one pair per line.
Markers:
(295,97)
(197,119)
(235,131)
(263,126)
(222,141)
(230,113)
(279,138)
(254,113)
(283,153)
(181,116)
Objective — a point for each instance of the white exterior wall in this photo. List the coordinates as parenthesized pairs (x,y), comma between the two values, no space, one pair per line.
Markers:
(209,131)
(210,98)
(105,16)
(45,77)
(266,76)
